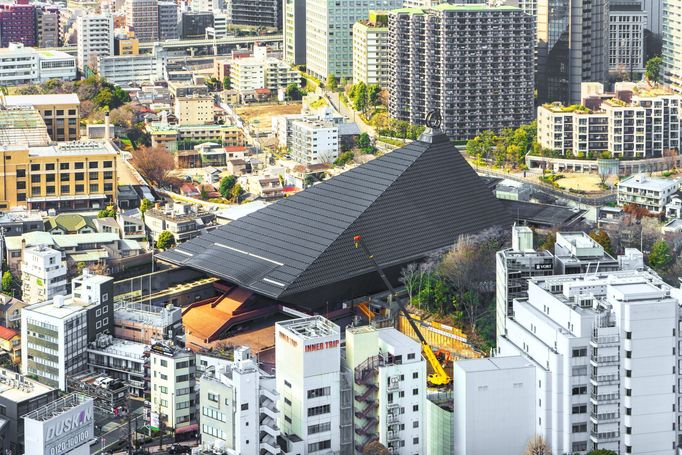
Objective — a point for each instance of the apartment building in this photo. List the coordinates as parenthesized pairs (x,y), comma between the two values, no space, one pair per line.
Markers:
(513,268)
(142,19)
(61,113)
(125,360)
(168,21)
(389,389)
(173,388)
(308,366)
(66,176)
(371,58)
(95,39)
(126,45)
(138,68)
(47,27)
(314,141)
(577,252)
(605,348)
(55,334)
(329,28)
(43,274)
(261,71)
(194,110)
(634,122)
(25,65)
(294,24)
(17,24)
(650,193)
(182,220)
(255,13)
(238,403)
(627,22)
(671,30)
(475,68)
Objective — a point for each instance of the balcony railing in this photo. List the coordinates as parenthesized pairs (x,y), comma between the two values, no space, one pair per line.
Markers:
(606,397)
(605,416)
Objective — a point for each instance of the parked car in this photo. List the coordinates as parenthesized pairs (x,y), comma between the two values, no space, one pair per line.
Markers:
(178,449)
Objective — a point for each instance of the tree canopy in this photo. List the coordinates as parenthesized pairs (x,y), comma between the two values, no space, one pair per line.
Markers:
(653,69)
(166,240)
(7,282)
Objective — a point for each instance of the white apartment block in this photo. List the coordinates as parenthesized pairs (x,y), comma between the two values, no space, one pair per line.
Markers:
(371,57)
(635,122)
(606,346)
(55,334)
(252,73)
(43,274)
(650,193)
(26,65)
(626,39)
(238,403)
(308,366)
(194,109)
(389,389)
(314,141)
(329,27)
(173,403)
(494,392)
(671,34)
(95,39)
(123,69)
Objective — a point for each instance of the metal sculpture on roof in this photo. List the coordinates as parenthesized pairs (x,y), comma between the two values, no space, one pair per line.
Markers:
(433,119)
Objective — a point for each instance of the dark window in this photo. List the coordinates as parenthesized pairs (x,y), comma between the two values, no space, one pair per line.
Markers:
(49,177)
(93,175)
(245,406)
(35,178)
(321,392)
(64,177)
(21,185)
(80,188)
(49,167)
(580,352)
(94,187)
(318,410)
(108,175)
(21,173)
(93,164)
(72,112)
(108,187)
(108,163)
(79,165)
(65,188)
(80,176)
(50,189)
(21,196)
(63,166)
(60,111)
(35,167)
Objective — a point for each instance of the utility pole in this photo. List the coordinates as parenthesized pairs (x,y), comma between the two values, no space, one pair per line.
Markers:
(129,438)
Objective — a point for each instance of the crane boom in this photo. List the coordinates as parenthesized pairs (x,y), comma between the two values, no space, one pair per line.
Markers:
(440,376)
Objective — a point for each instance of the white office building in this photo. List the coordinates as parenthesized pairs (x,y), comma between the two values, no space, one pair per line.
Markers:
(499,393)
(173,394)
(671,33)
(329,28)
(95,39)
(308,366)
(55,334)
(142,68)
(43,274)
(606,350)
(389,389)
(238,403)
(314,141)
(650,193)
(26,65)
(261,71)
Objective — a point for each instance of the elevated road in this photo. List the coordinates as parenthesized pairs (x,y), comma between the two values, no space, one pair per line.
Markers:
(190,44)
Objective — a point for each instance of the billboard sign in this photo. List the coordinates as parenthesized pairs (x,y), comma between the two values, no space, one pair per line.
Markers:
(63,433)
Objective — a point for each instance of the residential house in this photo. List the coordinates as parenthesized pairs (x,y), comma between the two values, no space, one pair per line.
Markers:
(648,192)
(71,223)
(10,344)
(10,311)
(182,220)
(132,224)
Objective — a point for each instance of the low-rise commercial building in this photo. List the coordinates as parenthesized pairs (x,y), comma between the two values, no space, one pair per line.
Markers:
(125,360)
(55,334)
(145,323)
(577,252)
(66,176)
(194,110)
(173,393)
(25,65)
(43,274)
(19,396)
(650,193)
(60,112)
(137,68)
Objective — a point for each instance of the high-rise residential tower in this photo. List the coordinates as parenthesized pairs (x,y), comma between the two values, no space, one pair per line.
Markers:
(472,63)
(95,39)
(142,18)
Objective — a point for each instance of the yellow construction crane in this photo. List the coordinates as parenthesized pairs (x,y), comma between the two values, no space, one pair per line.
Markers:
(439,377)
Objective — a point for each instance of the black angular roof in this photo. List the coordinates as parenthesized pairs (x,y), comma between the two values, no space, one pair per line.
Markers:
(406,204)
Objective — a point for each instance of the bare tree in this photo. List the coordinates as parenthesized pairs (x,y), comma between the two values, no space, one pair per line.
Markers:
(670,158)
(375,448)
(537,446)
(154,163)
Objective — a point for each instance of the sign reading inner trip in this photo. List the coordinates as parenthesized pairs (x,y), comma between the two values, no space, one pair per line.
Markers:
(320,346)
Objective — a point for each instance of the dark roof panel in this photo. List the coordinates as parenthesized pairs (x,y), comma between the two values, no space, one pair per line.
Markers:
(405,204)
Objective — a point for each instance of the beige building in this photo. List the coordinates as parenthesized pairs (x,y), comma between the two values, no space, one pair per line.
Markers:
(61,113)
(371,59)
(66,176)
(194,110)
